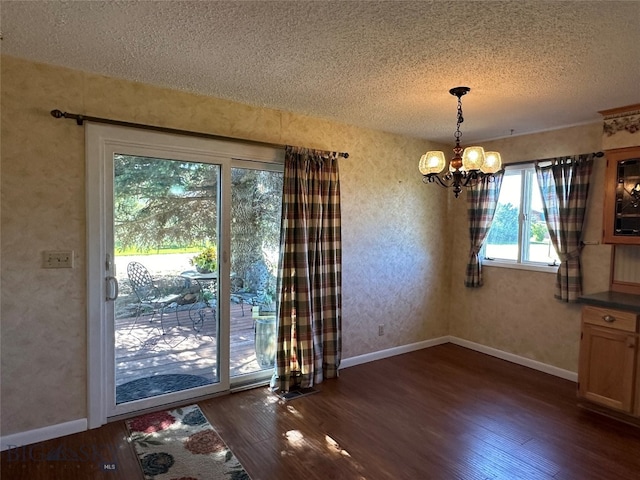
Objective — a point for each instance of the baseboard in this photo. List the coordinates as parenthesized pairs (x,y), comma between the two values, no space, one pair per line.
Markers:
(510,357)
(41,434)
(391,352)
(494,352)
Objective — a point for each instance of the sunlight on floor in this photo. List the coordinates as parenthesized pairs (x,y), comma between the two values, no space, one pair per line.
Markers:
(295,438)
(336,446)
(271,399)
(297,441)
(293,411)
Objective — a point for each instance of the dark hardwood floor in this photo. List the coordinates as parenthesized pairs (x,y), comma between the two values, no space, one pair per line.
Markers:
(440,413)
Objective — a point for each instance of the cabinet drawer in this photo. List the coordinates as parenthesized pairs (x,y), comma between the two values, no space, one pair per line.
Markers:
(607,317)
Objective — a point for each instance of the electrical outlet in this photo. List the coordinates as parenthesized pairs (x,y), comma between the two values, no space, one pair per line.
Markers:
(58,259)
(380,330)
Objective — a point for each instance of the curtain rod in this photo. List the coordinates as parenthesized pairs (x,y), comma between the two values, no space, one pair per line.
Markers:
(524,162)
(80,119)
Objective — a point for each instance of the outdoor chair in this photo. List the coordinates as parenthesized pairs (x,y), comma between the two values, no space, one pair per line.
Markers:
(151,300)
(238,293)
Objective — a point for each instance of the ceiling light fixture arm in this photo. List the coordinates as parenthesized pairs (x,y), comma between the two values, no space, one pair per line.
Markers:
(456,180)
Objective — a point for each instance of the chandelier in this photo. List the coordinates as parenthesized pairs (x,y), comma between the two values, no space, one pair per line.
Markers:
(474,164)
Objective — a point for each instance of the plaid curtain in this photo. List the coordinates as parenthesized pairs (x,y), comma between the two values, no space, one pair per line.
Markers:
(309,341)
(482,199)
(564,186)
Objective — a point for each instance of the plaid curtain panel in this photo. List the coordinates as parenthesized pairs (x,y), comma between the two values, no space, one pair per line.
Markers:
(564,186)
(482,199)
(309,338)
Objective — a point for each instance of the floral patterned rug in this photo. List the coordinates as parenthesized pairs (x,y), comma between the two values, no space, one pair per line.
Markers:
(180,444)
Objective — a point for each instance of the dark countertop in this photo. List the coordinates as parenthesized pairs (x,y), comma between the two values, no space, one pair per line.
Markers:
(620,301)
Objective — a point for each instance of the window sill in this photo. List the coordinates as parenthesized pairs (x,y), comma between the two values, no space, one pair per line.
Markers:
(520,266)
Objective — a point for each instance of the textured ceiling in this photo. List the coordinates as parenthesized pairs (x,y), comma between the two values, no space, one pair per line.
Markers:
(387,65)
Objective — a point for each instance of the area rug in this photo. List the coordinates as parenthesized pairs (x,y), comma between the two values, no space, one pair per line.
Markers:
(182,444)
(157,385)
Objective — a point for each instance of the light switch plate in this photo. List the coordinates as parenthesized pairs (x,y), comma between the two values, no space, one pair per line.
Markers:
(58,259)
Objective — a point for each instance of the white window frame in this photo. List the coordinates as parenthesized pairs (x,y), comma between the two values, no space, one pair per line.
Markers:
(527,173)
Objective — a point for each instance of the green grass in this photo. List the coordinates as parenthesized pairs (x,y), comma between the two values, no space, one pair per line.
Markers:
(159,251)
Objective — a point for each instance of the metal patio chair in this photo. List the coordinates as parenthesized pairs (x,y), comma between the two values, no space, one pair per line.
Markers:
(239,295)
(151,300)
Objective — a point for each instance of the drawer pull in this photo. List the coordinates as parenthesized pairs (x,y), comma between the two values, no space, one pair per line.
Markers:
(609,318)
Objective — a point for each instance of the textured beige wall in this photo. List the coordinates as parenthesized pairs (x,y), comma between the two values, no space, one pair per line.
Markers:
(394,232)
(522,317)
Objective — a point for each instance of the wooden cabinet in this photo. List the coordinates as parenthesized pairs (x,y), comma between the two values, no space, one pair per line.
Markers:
(621,222)
(608,371)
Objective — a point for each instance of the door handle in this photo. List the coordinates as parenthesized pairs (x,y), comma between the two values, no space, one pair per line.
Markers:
(112,288)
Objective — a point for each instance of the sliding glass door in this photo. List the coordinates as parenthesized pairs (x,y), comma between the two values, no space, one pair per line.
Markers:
(183,235)
(256,201)
(165,247)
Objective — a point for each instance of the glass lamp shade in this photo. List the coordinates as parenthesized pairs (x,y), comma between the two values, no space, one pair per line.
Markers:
(473,158)
(492,162)
(432,162)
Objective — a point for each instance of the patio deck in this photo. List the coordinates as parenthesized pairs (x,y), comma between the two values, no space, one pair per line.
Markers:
(143,351)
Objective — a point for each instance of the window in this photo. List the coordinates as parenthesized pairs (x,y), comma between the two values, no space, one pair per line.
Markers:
(518,234)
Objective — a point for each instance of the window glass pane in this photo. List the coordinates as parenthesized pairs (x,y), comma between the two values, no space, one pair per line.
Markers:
(256,197)
(165,212)
(540,248)
(502,241)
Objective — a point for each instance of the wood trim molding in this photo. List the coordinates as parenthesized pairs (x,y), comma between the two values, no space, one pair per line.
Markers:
(391,352)
(629,109)
(494,352)
(513,358)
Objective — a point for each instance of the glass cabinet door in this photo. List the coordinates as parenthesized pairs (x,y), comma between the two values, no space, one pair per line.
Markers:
(622,197)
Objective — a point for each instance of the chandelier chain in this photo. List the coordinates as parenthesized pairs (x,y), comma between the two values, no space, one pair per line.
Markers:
(458,133)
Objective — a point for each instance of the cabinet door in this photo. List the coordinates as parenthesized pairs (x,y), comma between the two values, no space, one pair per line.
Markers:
(622,197)
(607,367)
